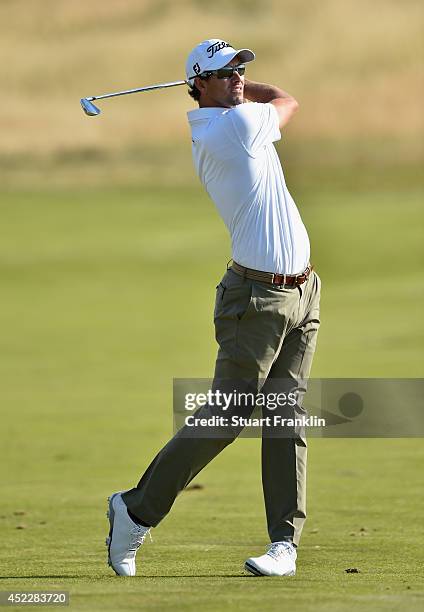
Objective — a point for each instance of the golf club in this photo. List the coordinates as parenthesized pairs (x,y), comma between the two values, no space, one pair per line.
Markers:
(90,109)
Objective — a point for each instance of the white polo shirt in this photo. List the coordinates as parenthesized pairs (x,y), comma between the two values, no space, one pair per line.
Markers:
(236,161)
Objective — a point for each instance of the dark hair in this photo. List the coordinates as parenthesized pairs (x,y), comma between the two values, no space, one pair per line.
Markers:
(194,93)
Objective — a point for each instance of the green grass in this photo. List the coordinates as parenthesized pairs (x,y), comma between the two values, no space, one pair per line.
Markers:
(108,295)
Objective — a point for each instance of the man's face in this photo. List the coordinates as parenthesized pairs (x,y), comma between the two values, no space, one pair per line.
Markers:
(222,92)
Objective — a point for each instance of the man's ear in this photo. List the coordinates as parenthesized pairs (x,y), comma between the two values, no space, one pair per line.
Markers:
(201,84)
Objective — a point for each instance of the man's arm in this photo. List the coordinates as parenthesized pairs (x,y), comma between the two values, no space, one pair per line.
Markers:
(285,104)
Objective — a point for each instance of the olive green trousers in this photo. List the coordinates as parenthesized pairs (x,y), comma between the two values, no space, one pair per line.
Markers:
(265,333)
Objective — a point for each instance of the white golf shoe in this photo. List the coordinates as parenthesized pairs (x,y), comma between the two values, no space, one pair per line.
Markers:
(279,560)
(125,537)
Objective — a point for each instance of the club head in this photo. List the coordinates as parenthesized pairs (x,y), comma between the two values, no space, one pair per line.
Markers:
(89,108)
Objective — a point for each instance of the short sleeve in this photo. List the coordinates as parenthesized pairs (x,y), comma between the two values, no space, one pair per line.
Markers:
(255,125)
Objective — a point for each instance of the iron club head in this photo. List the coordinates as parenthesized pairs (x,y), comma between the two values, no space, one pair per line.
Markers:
(89,108)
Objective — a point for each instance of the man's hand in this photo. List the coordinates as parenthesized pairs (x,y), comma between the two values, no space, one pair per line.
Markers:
(285,104)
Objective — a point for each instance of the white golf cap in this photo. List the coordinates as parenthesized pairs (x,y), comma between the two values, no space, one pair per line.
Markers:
(213,54)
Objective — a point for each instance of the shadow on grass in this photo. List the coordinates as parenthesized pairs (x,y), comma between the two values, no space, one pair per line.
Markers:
(64,577)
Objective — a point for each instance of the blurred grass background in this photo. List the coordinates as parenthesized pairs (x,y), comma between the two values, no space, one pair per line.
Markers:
(109,257)
(354,65)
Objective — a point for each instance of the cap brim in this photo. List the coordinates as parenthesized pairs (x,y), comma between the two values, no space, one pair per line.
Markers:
(221,60)
(246,55)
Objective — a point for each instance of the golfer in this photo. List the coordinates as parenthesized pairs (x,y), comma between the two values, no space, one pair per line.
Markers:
(266,311)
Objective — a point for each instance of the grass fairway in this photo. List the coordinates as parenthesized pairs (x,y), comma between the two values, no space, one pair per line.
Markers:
(108,295)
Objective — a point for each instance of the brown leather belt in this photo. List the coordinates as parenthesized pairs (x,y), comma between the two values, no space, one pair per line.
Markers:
(270,277)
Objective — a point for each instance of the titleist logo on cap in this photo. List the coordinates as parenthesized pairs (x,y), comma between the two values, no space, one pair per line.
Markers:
(212,49)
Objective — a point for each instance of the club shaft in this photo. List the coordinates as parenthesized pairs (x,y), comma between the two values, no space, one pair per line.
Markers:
(137,90)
